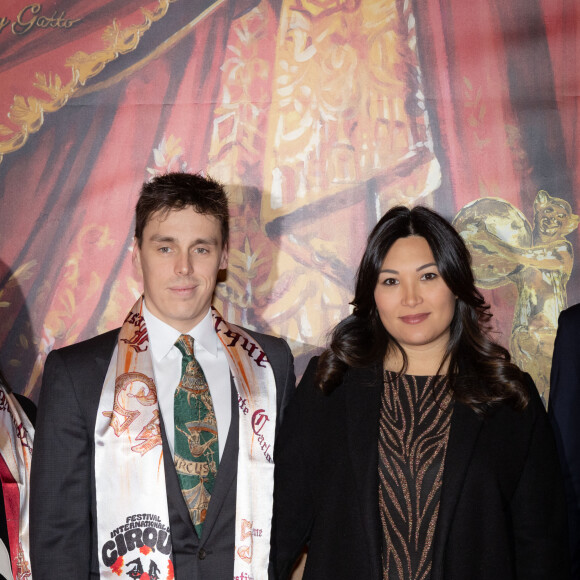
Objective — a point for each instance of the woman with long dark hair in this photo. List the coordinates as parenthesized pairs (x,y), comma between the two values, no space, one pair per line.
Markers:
(414,449)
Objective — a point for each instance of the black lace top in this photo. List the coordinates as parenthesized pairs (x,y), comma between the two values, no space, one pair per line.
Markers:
(414,430)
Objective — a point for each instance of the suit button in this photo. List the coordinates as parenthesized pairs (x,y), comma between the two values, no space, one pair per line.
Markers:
(201,554)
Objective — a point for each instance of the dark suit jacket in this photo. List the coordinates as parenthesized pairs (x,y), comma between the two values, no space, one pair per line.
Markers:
(564,412)
(501,514)
(63,509)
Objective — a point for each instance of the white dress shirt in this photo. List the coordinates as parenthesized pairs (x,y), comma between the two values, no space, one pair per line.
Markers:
(209,352)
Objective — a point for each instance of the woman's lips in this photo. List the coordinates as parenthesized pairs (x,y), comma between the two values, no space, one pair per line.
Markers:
(414,318)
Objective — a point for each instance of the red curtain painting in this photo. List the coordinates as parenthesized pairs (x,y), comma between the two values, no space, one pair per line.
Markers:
(474,100)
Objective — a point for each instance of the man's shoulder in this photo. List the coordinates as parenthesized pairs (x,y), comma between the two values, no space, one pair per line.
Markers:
(73,375)
(281,360)
(100,346)
(272,345)
(261,337)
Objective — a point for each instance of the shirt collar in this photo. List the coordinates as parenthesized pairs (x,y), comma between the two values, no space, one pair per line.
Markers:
(162,336)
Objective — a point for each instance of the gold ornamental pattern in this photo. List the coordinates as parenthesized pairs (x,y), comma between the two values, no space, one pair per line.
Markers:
(537,259)
(347,102)
(27,112)
(339,107)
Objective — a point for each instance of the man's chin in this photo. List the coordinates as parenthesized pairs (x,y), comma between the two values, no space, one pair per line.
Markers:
(189,318)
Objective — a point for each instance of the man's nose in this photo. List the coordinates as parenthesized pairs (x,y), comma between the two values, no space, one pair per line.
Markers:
(184,264)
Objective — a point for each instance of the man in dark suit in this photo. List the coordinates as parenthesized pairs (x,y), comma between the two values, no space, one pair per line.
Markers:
(185,498)
(564,412)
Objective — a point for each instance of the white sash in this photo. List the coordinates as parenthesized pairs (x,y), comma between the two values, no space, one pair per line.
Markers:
(255,383)
(16,439)
(132,516)
(5,563)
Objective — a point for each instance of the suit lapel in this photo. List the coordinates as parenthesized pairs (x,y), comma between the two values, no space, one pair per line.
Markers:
(105,352)
(362,410)
(464,430)
(103,364)
(227,469)
(102,360)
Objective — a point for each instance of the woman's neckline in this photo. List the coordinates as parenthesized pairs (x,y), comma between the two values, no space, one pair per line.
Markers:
(417,376)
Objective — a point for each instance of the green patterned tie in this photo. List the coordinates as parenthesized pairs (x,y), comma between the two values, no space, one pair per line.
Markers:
(196,437)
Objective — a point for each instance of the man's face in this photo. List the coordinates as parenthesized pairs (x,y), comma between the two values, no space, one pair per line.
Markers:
(180,256)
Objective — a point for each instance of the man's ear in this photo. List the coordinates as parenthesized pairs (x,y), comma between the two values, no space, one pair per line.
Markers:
(224,258)
(136,256)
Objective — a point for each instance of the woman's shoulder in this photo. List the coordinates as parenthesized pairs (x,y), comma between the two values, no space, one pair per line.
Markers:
(515,417)
(307,385)
(367,376)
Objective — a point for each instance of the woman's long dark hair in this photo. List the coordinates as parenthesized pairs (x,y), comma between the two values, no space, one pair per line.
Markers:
(480,372)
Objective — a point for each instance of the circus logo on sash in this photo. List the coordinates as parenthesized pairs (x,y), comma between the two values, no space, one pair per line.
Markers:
(139,549)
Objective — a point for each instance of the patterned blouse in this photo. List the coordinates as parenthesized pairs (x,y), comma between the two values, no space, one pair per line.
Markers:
(414,431)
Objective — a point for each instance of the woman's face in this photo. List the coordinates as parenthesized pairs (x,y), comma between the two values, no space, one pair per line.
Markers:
(414,303)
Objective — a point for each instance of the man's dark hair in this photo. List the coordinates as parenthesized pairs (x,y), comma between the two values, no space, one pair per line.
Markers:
(175,191)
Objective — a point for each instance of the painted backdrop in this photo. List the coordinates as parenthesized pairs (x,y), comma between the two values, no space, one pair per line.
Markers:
(318,115)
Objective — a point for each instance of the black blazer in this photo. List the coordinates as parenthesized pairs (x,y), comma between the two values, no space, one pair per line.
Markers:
(63,529)
(501,515)
(564,412)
